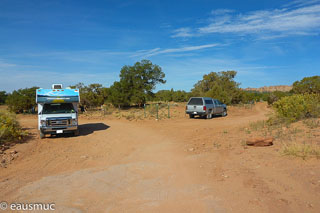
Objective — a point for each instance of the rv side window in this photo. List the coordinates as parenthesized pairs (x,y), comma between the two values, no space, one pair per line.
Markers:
(58,108)
(195,101)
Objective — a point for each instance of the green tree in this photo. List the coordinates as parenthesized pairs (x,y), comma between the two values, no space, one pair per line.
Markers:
(22,100)
(92,95)
(307,85)
(3,97)
(136,83)
(119,95)
(219,85)
(171,95)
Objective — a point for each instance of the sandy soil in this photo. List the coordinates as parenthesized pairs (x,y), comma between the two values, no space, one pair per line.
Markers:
(173,165)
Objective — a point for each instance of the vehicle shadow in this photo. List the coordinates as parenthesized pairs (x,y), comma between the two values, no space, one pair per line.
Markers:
(84,129)
(87,129)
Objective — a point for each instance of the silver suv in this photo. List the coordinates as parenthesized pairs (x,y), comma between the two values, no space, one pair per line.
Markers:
(205,107)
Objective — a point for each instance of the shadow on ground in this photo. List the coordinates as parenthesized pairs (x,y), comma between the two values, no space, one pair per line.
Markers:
(87,129)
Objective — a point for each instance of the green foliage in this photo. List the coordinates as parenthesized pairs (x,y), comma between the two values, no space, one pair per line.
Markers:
(9,128)
(219,85)
(275,96)
(22,100)
(307,85)
(136,84)
(251,96)
(119,95)
(92,95)
(298,106)
(3,97)
(171,95)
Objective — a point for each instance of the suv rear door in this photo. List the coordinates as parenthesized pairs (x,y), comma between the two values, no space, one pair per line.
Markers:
(195,105)
(217,107)
(210,105)
(220,106)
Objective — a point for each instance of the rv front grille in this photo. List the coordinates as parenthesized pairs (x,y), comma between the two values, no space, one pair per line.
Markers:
(58,122)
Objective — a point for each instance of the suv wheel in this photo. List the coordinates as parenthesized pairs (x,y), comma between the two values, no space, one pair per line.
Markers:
(191,116)
(224,113)
(209,115)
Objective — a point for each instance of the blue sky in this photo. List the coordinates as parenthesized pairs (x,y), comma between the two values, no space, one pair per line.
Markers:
(268,42)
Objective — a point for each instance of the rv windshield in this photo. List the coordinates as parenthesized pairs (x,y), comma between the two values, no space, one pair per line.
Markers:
(58,108)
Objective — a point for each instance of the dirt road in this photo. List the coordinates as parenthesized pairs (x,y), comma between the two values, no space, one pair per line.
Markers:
(175,165)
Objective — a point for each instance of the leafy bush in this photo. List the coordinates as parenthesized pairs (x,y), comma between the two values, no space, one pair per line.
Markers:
(296,107)
(10,129)
(22,100)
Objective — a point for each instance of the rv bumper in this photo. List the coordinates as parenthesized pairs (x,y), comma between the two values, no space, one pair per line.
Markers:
(57,130)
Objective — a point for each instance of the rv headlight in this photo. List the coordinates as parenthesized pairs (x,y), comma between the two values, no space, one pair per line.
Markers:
(74,122)
(43,122)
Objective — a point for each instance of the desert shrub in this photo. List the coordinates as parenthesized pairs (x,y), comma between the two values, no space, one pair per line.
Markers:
(296,107)
(275,96)
(10,129)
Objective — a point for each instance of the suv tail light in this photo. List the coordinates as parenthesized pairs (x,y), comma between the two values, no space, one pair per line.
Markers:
(204,108)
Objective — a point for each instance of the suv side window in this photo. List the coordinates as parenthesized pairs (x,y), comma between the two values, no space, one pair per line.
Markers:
(216,102)
(208,101)
(219,102)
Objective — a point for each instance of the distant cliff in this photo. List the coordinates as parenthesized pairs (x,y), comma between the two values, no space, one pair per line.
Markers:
(282,88)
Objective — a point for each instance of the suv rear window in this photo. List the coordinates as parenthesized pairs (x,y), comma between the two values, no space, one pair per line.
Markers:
(195,101)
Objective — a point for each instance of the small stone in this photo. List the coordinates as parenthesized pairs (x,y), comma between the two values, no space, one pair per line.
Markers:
(13,152)
(3,161)
(84,156)
(260,141)
(310,205)
(191,149)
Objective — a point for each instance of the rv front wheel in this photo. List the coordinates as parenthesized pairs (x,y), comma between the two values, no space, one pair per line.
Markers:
(76,133)
(41,135)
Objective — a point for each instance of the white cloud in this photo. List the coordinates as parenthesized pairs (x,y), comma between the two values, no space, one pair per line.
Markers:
(299,3)
(158,51)
(5,65)
(302,18)
(221,11)
(182,32)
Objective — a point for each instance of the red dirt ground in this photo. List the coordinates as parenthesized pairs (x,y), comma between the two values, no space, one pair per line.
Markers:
(172,165)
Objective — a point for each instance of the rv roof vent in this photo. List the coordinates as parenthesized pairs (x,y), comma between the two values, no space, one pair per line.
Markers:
(56,86)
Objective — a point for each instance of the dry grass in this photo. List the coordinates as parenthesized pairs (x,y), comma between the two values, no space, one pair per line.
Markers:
(300,139)
(135,114)
(303,151)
